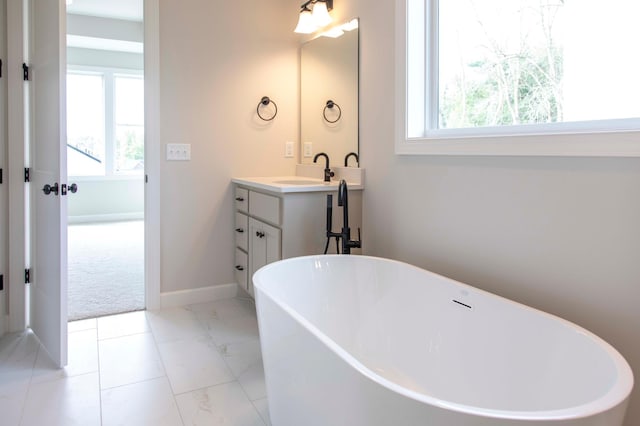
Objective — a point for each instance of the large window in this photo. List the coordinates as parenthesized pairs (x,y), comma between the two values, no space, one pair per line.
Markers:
(105,123)
(495,68)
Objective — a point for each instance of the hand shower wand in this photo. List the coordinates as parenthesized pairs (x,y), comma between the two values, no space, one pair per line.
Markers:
(330,233)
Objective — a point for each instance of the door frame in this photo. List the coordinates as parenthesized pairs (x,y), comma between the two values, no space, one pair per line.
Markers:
(4,198)
(16,123)
(152,153)
(18,159)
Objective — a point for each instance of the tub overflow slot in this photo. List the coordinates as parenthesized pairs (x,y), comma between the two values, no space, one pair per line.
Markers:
(463,304)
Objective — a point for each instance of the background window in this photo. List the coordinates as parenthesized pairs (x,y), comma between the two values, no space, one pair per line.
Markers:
(85,125)
(129,101)
(105,123)
(494,63)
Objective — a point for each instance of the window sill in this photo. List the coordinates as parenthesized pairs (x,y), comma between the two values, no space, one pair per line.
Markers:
(606,144)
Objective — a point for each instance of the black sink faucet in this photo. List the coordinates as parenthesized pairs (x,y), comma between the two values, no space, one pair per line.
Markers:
(343,201)
(328,174)
(351,154)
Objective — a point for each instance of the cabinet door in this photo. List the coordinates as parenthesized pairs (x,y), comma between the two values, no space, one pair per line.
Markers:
(264,247)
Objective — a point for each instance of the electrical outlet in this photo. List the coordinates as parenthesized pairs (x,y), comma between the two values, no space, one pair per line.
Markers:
(288,149)
(308,149)
(178,152)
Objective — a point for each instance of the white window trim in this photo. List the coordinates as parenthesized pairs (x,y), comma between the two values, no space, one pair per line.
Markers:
(622,139)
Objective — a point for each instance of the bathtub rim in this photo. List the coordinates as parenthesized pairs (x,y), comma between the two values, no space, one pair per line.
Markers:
(614,397)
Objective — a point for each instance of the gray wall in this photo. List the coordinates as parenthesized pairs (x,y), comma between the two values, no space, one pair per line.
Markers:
(106,199)
(217,60)
(104,58)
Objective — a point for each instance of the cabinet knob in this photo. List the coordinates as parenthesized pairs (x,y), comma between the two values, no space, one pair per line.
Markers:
(239,199)
(240,230)
(240,268)
(259,234)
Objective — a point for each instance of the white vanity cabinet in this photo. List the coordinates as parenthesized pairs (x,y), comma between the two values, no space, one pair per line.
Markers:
(272,225)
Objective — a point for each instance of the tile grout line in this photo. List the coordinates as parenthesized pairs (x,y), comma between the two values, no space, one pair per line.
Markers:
(217,349)
(164,367)
(224,358)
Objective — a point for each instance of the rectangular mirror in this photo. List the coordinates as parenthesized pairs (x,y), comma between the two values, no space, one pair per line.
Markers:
(329,68)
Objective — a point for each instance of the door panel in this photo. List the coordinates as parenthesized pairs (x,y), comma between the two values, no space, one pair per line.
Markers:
(264,247)
(48,164)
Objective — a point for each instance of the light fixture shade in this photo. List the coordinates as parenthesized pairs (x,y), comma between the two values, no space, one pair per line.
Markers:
(306,23)
(321,15)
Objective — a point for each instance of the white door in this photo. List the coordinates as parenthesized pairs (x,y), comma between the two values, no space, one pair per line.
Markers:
(48,167)
(3,191)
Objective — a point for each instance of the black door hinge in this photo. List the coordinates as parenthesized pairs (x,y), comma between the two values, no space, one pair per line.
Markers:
(0,68)
(27,175)
(25,72)
(1,282)
(27,276)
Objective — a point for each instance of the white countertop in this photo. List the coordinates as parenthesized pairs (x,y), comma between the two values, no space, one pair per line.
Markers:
(292,184)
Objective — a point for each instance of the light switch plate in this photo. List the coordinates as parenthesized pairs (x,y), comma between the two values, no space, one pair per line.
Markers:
(308,149)
(288,149)
(178,152)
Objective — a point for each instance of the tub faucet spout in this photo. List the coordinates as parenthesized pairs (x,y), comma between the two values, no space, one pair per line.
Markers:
(343,201)
(328,174)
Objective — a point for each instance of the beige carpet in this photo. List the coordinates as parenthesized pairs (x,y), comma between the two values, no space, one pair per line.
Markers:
(106,269)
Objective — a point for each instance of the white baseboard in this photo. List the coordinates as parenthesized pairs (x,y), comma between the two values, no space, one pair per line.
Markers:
(198,295)
(115,217)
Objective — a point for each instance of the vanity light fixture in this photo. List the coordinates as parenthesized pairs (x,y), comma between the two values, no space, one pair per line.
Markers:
(314,14)
(321,13)
(306,24)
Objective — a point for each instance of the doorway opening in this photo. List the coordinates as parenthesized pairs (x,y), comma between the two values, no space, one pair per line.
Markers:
(105,158)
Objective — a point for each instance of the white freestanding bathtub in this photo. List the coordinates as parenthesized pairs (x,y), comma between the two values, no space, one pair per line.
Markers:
(355,340)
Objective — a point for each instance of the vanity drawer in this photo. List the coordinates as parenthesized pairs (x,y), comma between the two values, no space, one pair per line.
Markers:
(241,268)
(242,231)
(265,207)
(242,199)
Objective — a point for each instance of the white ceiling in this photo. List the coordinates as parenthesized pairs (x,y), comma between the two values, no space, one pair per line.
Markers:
(130,10)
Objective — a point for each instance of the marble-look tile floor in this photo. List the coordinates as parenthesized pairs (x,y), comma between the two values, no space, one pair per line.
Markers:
(194,365)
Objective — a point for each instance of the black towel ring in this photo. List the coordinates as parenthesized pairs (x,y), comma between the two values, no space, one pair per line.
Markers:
(330,104)
(265,101)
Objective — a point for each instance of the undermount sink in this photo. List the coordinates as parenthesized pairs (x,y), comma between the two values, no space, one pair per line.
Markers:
(298,182)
